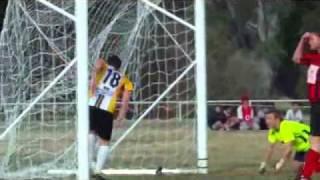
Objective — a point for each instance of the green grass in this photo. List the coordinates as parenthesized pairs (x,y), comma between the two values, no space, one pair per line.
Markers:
(232,156)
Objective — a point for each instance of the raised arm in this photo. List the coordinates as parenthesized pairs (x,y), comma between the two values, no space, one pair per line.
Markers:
(98,67)
(298,53)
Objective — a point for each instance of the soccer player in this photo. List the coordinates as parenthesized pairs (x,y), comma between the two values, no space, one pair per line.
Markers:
(106,86)
(295,137)
(311,42)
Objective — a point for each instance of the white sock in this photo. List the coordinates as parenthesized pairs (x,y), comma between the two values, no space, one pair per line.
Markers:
(102,157)
(92,147)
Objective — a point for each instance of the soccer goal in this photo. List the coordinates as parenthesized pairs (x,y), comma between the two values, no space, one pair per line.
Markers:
(47,49)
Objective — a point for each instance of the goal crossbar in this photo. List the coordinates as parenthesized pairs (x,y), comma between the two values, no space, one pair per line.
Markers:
(167,13)
(172,38)
(57,9)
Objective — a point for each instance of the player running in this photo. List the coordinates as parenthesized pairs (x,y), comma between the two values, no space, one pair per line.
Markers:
(311,42)
(107,85)
(294,135)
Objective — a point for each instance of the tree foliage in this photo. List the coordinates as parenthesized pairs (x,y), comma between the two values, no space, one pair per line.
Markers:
(250,44)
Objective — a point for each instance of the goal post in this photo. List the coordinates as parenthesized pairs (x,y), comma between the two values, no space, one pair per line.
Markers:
(45,103)
(201,83)
(81,14)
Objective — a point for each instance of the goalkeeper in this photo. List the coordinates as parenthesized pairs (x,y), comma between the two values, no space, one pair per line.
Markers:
(107,85)
(294,136)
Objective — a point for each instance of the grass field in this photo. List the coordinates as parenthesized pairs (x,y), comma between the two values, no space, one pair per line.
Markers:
(232,156)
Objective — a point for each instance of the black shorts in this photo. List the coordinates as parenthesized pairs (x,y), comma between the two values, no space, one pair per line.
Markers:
(315,119)
(101,122)
(300,156)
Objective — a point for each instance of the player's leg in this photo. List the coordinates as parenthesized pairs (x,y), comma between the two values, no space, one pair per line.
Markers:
(317,169)
(104,132)
(217,126)
(298,162)
(233,123)
(92,149)
(92,136)
(102,155)
(244,125)
(256,126)
(313,156)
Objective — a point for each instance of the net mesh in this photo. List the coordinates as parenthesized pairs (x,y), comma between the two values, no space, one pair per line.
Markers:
(37,44)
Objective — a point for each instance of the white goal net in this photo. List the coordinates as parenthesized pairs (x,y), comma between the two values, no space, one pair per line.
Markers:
(37,48)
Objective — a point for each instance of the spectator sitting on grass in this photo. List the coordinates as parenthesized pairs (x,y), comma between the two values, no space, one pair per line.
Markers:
(295,113)
(232,122)
(217,120)
(260,119)
(245,115)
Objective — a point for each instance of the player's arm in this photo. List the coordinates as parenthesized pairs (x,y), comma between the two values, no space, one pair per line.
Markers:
(287,151)
(298,53)
(124,105)
(286,155)
(269,152)
(287,139)
(267,157)
(98,67)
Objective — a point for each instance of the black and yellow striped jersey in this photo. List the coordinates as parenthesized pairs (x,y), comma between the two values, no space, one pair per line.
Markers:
(110,84)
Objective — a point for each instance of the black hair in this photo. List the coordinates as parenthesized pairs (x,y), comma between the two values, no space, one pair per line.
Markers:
(277,114)
(114,60)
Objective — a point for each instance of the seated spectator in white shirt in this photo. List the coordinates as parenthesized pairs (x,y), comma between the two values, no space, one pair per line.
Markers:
(245,114)
(295,113)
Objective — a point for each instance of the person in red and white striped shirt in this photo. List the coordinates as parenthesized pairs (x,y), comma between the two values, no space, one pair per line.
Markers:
(245,114)
(311,42)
